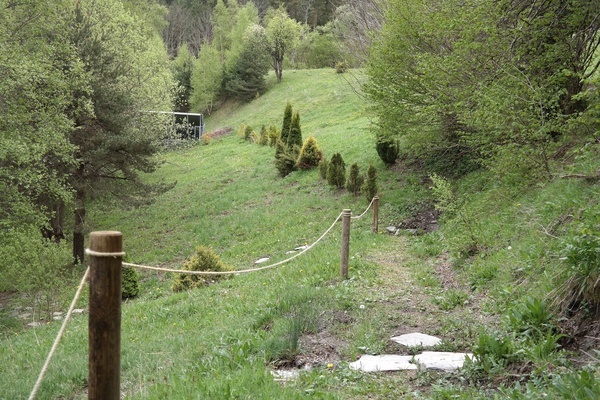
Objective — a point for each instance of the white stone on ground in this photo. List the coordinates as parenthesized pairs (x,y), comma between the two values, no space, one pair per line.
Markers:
(389,362)
(428,359)
(78,311)
(442,360)
(261,260)
(417,339)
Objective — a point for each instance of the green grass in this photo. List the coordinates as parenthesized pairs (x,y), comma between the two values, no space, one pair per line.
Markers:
(221,341)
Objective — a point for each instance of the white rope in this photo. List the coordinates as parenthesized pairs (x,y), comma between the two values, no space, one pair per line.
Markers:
(368,208)
(242,271)
(58,337)
(99,254)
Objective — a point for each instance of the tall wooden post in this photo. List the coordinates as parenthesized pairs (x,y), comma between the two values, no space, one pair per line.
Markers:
(346,215)
(375,214)
(105,258)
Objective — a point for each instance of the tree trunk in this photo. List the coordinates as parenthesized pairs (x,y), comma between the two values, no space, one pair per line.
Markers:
(78,231)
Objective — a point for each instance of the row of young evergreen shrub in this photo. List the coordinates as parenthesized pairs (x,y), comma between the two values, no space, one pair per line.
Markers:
(292,153)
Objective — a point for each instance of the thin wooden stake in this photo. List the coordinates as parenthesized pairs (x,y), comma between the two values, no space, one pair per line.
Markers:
(105,316)
(375,214)
(346,216)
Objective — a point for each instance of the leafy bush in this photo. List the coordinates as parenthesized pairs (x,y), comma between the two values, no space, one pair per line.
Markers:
(204,259)
(387,149)
(273,136)
(264,136)
(370,186)
(323,165)
(581,279)
(341,67)
(285,160)
(248,133)
(531,318)
(336,171)
(310,154)
(355,180)
(287,122)
(129,283)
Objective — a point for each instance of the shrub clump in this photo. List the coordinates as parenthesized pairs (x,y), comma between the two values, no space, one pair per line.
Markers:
(323,165)
(130,287)
(387,149)
(310,154)
(336,171)
(370,186)
(273,135)
(287,122)
(355,180)
(264,136)
(204,259)
(285,160)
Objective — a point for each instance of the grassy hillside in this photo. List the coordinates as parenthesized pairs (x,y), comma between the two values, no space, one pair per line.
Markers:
(483,283)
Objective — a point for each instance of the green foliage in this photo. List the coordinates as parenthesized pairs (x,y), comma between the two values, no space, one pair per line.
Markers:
(130,287)
(295,137)
(580,280)
(318,48)
(245,79)
(323,167)
(182,67)
(370,187)
(336,171)
(285,160)
(443,194)
(531,318)
(248,131)
(355,180)
(204,259)
(263,139)
(287,123)
(449,107)
(282,35)
(273,135)
(206,79)
(341,67)
(310,154)
(387,149)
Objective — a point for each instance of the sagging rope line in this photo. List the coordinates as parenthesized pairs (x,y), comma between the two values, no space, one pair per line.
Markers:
(368,208)
(242,271)
(58,337)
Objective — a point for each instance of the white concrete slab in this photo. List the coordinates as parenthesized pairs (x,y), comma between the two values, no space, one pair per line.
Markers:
(442,360)
(417,339)
(389,362)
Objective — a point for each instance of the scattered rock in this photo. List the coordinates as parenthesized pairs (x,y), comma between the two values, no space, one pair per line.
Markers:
(34,324)
(25,316)
(385,362)
(78,311)
(392,230)
(443,361)
(417,339)
(57,313)
(261,260)
(301,248)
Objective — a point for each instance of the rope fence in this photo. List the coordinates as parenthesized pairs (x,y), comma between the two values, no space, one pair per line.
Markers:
(104,270)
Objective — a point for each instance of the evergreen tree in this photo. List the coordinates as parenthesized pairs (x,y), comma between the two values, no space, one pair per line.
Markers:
(287,122)
(182,68)
(295,137)
(355,180)
(310,154)
(336,171)
(370,186)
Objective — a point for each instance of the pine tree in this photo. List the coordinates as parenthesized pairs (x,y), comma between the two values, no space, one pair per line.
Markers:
(310,155)
(355,180)
(370,187)
(336,171)
(287,122)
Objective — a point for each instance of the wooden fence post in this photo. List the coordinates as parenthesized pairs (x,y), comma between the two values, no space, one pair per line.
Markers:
(375,214)
(105,258)
(346,215)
